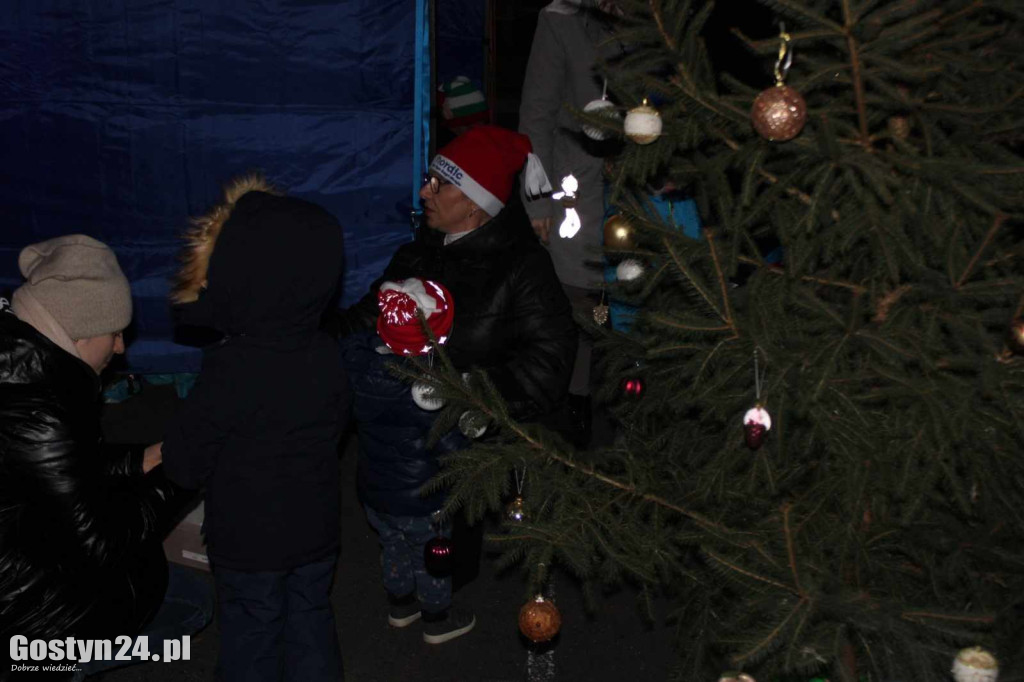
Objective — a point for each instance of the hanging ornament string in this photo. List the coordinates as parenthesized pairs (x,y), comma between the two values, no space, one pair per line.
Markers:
(785,59)
(757,378)
(520,479)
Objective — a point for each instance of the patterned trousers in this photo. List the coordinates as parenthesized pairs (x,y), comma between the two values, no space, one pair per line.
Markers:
(402,539)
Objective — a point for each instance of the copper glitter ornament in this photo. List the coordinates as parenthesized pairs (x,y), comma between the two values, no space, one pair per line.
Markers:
(618,233)
(539,620)
(779,113)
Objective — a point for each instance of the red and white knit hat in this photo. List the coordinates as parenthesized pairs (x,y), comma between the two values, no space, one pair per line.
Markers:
(399,326)
(483,162)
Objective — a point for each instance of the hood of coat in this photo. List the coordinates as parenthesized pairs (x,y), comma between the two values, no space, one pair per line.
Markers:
(263,265)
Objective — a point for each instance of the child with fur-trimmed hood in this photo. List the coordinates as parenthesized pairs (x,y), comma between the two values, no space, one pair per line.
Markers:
(261,427)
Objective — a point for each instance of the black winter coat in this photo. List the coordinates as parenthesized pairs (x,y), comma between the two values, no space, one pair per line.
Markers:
(260,429)
(80,525)
(512,319)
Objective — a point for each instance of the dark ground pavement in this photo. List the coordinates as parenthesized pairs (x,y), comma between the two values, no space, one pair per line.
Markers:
(615,643)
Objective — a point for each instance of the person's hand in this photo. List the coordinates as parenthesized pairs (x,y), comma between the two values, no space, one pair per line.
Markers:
(153,456)
(542,228)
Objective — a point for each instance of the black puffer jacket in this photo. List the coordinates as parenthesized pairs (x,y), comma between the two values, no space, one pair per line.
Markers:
(80,525)
(261,427)
(512,317)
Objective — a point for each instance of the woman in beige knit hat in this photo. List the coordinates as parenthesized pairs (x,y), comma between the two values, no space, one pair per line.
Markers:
(81,530)
(76,296)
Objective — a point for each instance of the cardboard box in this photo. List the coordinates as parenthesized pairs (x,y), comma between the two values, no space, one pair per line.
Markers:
(184,545)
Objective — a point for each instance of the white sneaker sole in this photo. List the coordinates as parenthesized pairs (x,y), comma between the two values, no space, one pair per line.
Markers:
(448,636)
(403,622)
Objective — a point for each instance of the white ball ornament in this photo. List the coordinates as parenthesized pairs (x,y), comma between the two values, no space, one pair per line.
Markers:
(628,270)
(424,395)
(605,109)
(643,124)
(975,665)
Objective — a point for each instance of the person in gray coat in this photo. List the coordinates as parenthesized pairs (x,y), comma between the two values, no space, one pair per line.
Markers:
(571,36)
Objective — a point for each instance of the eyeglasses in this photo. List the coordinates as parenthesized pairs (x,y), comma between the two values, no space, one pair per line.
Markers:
(435,182)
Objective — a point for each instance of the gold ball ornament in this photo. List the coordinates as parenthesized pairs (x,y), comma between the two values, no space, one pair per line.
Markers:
(1015,336)
(618,233)
(539,620)
(975,665)
(516,510)
(601,314)
(779,113)
(643,124)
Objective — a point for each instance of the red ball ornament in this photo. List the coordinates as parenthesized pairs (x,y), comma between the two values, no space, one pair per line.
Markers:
(438,556)
(539,620)
(633,387)
(779,113)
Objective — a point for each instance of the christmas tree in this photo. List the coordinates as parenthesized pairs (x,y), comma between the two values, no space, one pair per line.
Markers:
(864,522)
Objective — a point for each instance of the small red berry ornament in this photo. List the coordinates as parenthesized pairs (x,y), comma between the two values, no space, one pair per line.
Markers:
(438,556)
(633,387)
(756,424)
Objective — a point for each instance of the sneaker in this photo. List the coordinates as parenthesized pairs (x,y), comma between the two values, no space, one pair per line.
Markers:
(447,625)
(403,611)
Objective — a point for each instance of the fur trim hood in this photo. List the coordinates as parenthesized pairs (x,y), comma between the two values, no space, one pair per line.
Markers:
(201,238)
(260,265)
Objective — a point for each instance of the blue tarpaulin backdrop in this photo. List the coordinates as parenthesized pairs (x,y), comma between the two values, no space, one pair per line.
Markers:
(122,118)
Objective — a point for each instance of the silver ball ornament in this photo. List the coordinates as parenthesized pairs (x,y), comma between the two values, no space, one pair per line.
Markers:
(605,109)
(472,424)
(424,395)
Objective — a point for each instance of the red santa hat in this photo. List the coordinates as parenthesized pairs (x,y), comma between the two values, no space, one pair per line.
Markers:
(399,326)
(484,161)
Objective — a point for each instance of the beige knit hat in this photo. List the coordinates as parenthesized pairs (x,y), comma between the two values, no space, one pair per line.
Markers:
(78,281)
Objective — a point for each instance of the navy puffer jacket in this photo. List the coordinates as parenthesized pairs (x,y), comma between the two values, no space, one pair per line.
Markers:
(394,460)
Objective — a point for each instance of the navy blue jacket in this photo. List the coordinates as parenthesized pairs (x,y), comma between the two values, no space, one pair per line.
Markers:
(394,460)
